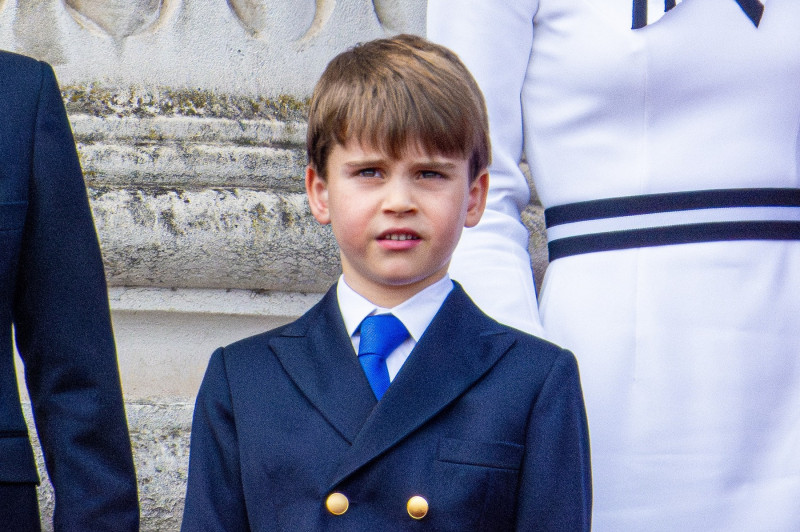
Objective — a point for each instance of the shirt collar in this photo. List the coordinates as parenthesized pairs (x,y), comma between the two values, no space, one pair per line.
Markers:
(416,313)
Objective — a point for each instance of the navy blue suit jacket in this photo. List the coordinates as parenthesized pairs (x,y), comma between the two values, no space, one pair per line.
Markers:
(53,292)
(483,421)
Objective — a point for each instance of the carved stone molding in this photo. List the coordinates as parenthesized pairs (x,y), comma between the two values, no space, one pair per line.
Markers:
(400,17)
(244,47)
(193,189)
(321,17)
(289,20)
(213,238)
(118,18)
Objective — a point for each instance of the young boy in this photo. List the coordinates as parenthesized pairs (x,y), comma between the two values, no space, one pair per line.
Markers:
(482,426)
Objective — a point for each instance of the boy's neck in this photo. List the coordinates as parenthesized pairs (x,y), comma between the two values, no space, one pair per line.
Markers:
(391,296)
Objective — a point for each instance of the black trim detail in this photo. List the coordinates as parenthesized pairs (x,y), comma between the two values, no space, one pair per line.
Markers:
(669,202)
(754,9)
(639,14)
(675,234)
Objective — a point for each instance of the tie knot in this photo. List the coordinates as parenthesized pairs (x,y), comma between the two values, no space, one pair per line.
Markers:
(381,334)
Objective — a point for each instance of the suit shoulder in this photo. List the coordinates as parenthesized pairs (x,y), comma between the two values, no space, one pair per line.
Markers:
(15,60)
(531,341)
(23,69)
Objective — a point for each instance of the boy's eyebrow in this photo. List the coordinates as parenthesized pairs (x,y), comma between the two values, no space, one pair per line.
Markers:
(378,161)
(367,161)
(436,165)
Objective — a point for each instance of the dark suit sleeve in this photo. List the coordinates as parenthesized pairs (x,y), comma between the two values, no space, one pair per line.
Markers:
(555,492)
(214,495)
(63,331)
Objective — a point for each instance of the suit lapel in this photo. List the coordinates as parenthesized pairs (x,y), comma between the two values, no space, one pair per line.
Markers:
(317,354)
(460,345)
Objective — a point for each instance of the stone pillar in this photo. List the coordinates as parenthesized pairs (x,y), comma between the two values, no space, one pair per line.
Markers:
(190,121)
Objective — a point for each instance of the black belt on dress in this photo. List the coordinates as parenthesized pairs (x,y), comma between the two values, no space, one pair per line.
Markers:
(673,218)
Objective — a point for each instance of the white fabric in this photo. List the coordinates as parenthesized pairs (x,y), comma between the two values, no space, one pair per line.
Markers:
(416,313)
(689,354)
(491,260)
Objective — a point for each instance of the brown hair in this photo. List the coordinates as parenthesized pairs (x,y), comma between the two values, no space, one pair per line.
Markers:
(394,93)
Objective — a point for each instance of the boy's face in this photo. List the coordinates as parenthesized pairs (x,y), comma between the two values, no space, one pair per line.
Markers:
(397,221)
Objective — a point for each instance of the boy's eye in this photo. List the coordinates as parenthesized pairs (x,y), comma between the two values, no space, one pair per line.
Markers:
(368,172)
(429,174)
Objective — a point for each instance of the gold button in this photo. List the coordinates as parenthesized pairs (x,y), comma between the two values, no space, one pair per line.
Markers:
(417,507)
(337,503)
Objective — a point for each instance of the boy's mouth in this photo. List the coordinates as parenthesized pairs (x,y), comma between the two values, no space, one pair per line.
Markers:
(399,236)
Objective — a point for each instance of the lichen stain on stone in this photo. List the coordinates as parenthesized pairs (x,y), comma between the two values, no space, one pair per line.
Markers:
(276,221)
(258,211)
(96,192)
(262,222)
(101,101)
(130,261)
(286,213)
(167,218)
(247,143)
(228,221)
(154,136)
(140,212)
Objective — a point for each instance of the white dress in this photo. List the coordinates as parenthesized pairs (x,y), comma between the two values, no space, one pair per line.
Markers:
(689,353)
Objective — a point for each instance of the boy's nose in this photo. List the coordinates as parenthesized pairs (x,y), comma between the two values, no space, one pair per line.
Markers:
(399,197)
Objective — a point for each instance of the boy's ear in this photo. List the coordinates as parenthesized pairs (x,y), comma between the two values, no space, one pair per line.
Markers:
(317,191)
(478,190)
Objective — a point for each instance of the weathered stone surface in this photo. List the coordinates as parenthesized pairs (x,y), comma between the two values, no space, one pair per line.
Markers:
(163,164)
(200,190)
(157,129)
(138,138)
(102,100)
(213,238)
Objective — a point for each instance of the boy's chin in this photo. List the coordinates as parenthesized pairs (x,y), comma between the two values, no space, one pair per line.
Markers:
(389,291)
(410,284)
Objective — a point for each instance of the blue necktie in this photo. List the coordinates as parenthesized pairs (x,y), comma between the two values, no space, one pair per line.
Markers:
(380,335)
